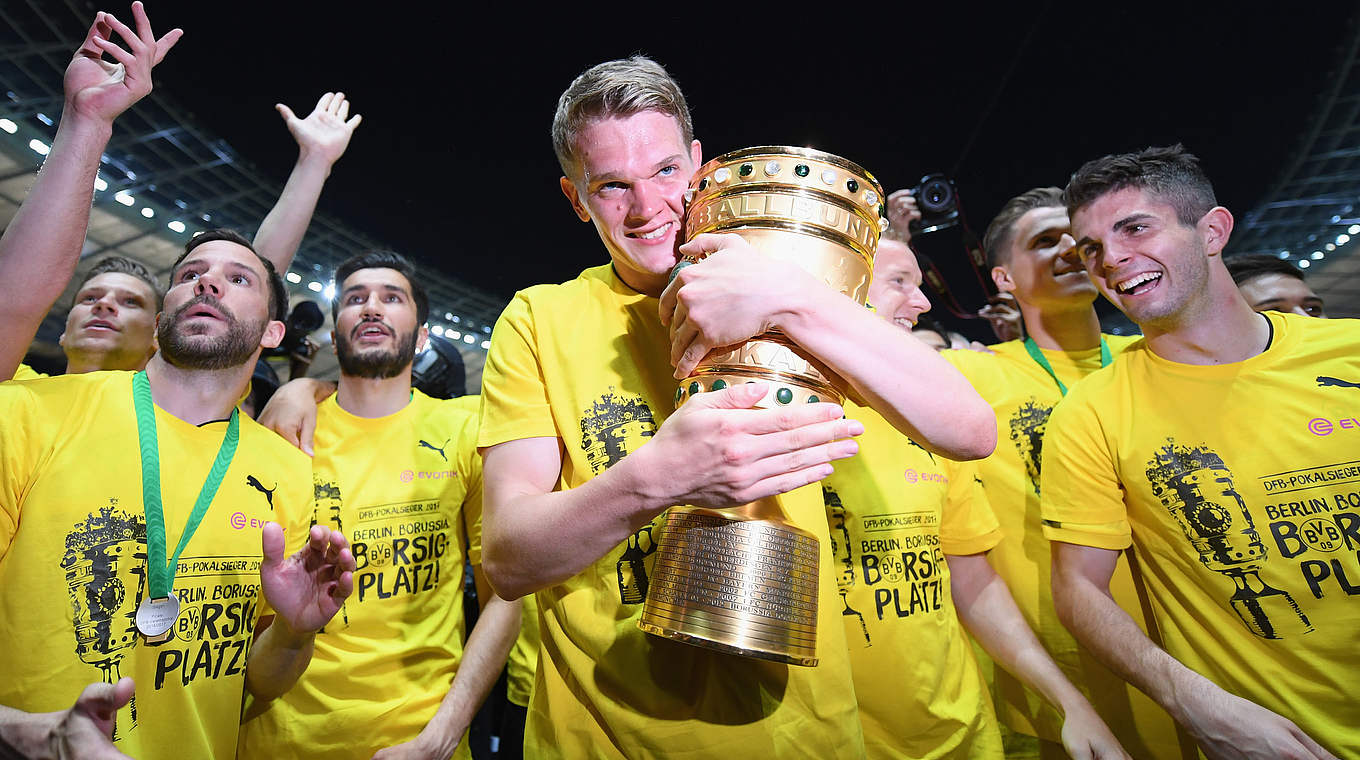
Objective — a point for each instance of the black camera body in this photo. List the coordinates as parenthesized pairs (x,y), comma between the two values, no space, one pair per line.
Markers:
(938,199)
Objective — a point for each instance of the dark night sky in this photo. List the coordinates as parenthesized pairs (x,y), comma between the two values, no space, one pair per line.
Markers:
(453,164)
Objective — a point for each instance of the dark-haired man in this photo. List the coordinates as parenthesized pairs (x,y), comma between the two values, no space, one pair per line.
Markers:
(581,375)
(1218,447)
(1030,252)
(140,534)
(396,472)
(1272,284)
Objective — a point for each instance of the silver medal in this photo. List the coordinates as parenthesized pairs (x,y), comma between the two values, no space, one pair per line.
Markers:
(155,617)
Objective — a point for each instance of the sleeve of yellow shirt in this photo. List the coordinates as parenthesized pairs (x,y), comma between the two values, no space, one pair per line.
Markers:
(470,464)
(1081,499)
(21,445)
(968,525)
(514,395)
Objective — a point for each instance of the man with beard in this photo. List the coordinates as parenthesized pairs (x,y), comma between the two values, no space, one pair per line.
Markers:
(1217,448)
(581,375)
(397,472)
(894,504)
(177,578)
(1030,250)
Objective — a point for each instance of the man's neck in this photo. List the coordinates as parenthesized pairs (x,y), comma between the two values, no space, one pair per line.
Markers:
(367,397)
(1225,330)
(197,395)
(77,364)
(1062,328)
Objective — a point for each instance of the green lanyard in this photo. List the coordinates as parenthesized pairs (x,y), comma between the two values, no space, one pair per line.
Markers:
(161,574)
(1042,361)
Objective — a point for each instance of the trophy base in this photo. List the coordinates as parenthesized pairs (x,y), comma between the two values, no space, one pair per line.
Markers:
(739,586)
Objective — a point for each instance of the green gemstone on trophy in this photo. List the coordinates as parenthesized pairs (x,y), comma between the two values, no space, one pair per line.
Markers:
(801,170)
(679,394)
(703,183)
(719,384)
(694,388)
(745,170)
(813,399)
(783,395)
(852,186)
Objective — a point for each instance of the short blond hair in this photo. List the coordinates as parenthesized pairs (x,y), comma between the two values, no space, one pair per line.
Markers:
(615,88)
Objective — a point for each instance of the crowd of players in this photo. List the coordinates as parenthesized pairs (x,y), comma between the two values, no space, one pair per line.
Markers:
(1165,563)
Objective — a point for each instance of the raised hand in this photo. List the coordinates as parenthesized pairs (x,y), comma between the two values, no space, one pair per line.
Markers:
(85,730)
(1004,316)
(102,90)
(306,589)
(326,131)
(902,211)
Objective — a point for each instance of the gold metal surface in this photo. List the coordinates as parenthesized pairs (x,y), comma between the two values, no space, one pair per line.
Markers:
(745,580)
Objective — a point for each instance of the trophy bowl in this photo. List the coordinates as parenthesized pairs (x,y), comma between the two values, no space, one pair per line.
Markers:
(745,580)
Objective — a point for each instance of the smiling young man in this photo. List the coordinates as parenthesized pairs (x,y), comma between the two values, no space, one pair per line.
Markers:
(1213,447)
(580,376)
(1032,256)
(396,472)
(1272,284)
(910,536)
(140,535)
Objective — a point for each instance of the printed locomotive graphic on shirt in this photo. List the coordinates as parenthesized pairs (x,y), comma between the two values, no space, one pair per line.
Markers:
(1027,433)
(612,427)
(104,564)
(1197,487)
(843,555)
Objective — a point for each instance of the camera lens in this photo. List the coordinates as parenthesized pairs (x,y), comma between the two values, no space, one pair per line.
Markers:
(936,196)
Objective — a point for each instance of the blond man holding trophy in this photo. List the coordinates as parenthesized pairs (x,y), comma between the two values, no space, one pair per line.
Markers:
(580,375)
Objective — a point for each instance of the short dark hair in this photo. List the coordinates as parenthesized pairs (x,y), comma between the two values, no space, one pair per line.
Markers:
(382,260)
(1171,175)
(278,294)
(996,243)
(1249,266)
(124,265)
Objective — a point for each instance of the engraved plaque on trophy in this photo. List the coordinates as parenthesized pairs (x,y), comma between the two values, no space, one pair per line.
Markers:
(745,580)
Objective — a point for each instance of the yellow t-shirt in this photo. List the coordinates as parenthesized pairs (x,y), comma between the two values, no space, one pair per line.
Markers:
(73,559)
(25,372)
(1023,395)
(588,362)
(405,489)
(895,511)
(523,661)
(1239,488)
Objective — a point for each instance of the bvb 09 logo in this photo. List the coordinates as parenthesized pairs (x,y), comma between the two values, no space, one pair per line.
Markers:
(1320,534)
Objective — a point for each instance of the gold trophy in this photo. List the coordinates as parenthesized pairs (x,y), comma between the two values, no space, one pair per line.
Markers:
(744,580)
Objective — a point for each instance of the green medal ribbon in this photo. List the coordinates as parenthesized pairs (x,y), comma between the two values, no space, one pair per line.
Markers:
(161,574)
(1042,361)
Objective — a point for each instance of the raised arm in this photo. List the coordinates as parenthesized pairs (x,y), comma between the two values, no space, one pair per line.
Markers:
(738,292)
(1223,725)
(41,245)
(535,536)
(987,609)
(483,660)
(322,138)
